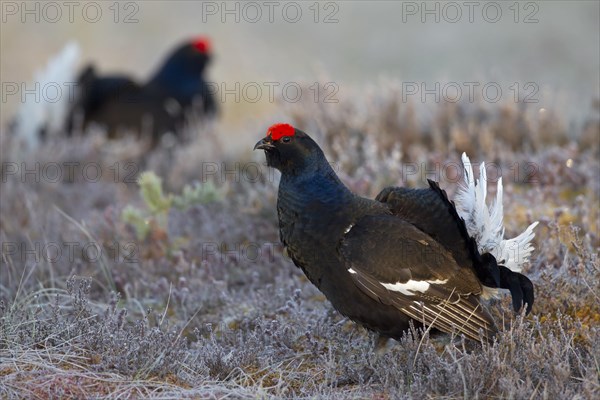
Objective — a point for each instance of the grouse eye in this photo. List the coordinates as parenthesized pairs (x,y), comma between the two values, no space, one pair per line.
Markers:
(286,139)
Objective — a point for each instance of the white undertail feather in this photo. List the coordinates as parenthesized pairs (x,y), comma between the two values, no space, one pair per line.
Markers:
(46,109)
(485,223)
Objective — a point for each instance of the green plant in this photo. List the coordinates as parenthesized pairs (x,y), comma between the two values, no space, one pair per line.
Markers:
(197,194)
(157,204)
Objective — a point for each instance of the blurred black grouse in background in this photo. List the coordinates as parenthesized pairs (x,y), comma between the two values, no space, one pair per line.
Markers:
(405,256)
(161,105)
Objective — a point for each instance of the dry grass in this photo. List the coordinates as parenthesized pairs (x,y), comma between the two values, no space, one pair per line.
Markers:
(209,307)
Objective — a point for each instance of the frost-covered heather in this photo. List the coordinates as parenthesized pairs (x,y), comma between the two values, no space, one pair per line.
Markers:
(203,303)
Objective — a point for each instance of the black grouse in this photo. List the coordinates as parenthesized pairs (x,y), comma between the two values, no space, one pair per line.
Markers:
(404,257)
(119,104)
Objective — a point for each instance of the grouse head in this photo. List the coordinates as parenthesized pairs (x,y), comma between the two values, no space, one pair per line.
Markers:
(196,53)
(187,60)
(291,151)
(202,45)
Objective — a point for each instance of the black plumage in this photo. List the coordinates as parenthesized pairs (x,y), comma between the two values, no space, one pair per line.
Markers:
(405,256)
(120,104)
(432,212)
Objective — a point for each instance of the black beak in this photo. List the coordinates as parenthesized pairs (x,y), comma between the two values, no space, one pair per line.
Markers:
(264,144)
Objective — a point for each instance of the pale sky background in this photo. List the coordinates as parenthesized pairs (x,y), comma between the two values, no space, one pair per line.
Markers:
(371,40)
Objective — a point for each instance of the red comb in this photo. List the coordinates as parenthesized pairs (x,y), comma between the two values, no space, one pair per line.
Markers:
(202,44)
(277,131)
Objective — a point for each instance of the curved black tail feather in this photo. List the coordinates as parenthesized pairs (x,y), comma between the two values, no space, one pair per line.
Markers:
(521,288)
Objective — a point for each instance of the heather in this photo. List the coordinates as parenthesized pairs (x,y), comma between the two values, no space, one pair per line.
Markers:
(164,276)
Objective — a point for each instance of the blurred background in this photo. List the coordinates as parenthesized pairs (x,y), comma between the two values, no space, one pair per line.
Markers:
(352,43)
